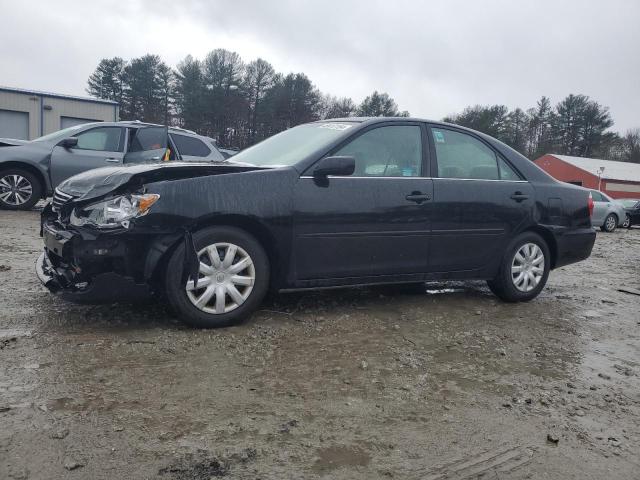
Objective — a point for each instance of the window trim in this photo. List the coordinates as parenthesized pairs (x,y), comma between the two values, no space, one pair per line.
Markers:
(121,140)
(434,156)
(425,157)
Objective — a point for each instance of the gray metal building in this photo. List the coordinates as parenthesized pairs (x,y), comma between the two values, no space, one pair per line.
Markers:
(28,114)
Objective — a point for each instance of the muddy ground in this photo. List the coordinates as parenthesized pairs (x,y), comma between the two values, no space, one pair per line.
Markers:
(351,384)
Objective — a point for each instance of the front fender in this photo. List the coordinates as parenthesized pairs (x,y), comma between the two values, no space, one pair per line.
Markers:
(157,251)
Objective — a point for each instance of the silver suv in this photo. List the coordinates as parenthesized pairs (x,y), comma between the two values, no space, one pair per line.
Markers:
(607,212)
(30,170)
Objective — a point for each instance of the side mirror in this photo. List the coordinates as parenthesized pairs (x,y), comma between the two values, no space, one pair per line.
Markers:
(69,142)
(338,166)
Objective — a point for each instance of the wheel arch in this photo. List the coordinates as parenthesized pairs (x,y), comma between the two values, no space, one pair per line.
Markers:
(549,239)
(29,168)
(162,249)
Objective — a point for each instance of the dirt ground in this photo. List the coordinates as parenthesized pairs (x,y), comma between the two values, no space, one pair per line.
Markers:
(342,384)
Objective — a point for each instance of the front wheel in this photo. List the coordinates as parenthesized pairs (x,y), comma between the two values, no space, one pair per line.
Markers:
(627,222)
(524,269)
(610,223)
(233,278)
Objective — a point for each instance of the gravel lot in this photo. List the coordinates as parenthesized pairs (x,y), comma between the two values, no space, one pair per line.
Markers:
(342,384)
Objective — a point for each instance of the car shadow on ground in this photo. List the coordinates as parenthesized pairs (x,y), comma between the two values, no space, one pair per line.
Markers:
(152,311)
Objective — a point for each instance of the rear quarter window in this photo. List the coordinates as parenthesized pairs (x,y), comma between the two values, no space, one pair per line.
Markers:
(190,146)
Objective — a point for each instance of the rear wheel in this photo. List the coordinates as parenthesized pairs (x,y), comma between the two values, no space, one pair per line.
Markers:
(19,189)
(610,223)
(524,269)
(232,281)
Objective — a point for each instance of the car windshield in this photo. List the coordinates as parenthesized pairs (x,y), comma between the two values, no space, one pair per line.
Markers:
(60,134)
(629,203)
(293,145)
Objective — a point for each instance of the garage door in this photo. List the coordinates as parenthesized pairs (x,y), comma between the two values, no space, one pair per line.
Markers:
(14,124)
(66,122)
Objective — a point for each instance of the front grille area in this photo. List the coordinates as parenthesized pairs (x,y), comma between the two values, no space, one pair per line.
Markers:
(59,199)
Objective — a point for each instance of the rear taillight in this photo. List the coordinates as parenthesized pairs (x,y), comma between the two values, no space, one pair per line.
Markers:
(590,203)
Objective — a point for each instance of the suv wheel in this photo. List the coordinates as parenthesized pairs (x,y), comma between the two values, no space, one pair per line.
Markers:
(232,280)
(524,269)
(19,189)
(610,223)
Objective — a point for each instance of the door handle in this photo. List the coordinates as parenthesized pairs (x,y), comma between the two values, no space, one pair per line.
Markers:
(519,196)
(418,197)
(155,158)
(112,160)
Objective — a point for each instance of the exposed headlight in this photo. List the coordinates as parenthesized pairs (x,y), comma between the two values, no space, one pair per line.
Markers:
(115,212)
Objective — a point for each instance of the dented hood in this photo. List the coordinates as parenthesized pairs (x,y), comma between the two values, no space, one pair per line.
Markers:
(101,181)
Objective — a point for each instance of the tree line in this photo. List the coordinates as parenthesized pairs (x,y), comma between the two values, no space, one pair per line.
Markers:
(577,126)
(240,103)
(221,96)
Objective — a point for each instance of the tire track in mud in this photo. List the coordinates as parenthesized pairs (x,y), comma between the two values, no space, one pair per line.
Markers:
(501,460)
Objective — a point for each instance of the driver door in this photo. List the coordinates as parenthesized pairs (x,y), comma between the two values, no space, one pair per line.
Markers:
(374,222)
(148,145)
(97,147)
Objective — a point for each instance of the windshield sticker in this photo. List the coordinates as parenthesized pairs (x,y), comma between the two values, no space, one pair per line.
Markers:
(439,136)
(335,126)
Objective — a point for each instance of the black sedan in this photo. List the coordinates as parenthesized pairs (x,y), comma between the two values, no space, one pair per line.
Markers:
(331,203)
(632,212)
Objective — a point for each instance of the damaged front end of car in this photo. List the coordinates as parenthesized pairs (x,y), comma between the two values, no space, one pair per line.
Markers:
(93,251)
(96,246)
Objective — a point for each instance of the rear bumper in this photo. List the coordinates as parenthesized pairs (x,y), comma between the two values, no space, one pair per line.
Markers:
(574,246)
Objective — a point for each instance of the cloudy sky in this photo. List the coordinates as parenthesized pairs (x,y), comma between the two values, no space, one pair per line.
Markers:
(433,57)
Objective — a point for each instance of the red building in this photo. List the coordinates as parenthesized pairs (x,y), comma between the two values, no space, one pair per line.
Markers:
(616,179)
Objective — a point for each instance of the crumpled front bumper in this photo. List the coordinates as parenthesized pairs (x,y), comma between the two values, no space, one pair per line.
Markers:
(82,269)
(47,274)
(103,288)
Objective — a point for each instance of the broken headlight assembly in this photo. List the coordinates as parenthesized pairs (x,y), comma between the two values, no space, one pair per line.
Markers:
(114,212)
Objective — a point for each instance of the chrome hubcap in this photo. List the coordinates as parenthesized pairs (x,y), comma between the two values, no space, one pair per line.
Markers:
(527,267)
(626,221)
(225,279)
(15,189)
(611,223)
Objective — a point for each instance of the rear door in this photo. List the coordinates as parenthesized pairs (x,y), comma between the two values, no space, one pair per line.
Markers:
(479,202)
(374,222)
(97,147)
(148,145)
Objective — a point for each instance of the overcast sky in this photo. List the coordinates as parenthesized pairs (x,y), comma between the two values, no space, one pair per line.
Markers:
(433,57)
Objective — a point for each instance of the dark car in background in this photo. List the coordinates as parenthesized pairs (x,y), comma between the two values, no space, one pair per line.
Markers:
(326,204)
(632,211)
(30,170)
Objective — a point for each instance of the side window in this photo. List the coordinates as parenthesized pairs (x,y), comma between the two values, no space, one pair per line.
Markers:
(506,172)
(190,146)
(149,138)
(103,139)
(597,196)
(393,151)
(462,156)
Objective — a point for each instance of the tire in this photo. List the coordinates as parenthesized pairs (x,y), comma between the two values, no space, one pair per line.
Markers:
(236,305)
(504,285)
(24,197)
(610,223)
(627,222)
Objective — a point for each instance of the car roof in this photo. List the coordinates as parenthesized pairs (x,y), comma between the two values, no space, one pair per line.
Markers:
(138,123)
